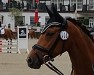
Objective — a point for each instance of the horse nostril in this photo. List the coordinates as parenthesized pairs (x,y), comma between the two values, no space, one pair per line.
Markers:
(29,60)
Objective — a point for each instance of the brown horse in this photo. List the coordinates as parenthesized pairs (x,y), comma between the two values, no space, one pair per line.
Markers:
(31,33)
(62,35)
(8,34)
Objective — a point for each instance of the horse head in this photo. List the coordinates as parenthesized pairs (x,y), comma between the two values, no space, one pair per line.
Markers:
(50,42)
(60,35)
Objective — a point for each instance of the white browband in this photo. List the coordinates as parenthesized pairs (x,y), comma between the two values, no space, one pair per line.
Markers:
(50,24)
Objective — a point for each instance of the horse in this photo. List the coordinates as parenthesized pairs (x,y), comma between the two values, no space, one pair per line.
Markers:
(61,35)
(7,34)
(31,33)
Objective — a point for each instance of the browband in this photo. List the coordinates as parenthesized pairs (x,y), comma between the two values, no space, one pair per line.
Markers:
(50,24)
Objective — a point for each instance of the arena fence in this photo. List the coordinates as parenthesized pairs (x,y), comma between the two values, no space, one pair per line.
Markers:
(8,46)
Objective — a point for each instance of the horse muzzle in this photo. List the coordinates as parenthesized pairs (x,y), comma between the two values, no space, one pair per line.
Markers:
(33,63)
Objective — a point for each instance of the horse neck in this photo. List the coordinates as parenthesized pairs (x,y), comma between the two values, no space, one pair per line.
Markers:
(81,52)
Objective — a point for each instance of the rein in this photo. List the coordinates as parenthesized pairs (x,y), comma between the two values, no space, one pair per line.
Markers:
(53,68)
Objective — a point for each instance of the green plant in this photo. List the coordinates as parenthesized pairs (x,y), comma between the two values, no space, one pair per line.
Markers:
(15,12)
(86,21)
(38,24)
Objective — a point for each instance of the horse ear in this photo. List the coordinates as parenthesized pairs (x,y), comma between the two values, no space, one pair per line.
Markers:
(49,11)
(57,16)
(55,12)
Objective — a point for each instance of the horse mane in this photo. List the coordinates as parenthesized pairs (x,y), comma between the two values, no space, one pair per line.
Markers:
(82,26)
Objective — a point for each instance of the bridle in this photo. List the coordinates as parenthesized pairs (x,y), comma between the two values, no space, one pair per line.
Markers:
(49,57)
(48,51)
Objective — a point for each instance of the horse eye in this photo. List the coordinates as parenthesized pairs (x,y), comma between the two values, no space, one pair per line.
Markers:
(49,33)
